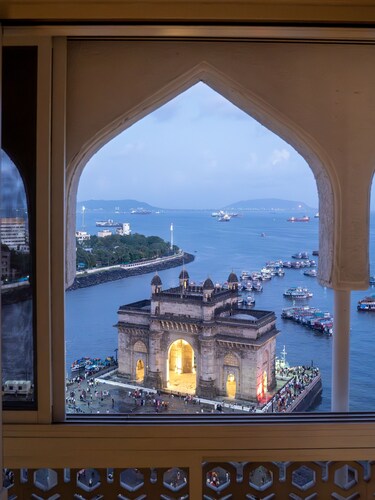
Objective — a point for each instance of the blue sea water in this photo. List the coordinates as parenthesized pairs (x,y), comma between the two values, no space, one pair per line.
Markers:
(220,248)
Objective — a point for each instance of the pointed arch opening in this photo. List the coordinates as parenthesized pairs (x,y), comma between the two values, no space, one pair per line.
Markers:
(181,367)
(204,76)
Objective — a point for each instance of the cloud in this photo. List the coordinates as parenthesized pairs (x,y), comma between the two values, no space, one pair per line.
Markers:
(279,155)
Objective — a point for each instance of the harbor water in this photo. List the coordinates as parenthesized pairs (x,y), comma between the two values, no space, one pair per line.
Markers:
(246,243)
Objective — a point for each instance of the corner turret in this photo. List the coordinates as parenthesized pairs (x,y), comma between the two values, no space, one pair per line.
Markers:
(233,282)
(208,290)
(184,279)
(156,284)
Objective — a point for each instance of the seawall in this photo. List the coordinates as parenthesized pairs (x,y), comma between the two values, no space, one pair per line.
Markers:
(103,276)
(308,396)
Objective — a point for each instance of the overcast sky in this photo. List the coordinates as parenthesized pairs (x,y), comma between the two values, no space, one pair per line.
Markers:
(197,151)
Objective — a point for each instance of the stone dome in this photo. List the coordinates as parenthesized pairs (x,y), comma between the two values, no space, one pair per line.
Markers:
(232,278)
(184,275)
(156,281)
(208,285)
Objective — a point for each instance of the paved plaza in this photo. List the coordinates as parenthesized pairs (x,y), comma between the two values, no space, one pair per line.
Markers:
(111,395)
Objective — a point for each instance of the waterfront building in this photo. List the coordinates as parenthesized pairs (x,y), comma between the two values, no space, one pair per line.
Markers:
(82,236)
(5,263)
(13,233)
(124,230)
(195,339)
(104,233)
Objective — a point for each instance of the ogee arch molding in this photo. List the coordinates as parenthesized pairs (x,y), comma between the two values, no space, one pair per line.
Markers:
(111,85)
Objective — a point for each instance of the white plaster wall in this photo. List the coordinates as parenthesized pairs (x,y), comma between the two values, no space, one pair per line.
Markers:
(318,97)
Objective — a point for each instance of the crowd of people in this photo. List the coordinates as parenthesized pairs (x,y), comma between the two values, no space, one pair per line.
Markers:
(301,377)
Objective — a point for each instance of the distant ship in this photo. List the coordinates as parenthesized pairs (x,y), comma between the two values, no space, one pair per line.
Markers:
(224,218)
(316,215)
(108,223)
(139,211)
(220,214)
(305,218)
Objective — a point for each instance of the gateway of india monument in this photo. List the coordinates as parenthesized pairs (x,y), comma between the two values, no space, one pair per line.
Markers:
(196,340)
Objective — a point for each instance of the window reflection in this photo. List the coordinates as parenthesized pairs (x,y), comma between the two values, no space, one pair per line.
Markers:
(16,289)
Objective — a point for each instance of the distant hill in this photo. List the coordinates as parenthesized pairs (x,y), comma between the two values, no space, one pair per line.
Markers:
(112,205)
(259,204)
(269,204)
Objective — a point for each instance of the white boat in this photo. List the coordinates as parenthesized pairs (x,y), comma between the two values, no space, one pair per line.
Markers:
(257,286)
(297,292)
(310,272)
(250,300)
(224,218)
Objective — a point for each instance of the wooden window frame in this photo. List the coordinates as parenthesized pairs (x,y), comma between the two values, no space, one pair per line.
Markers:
(44,438)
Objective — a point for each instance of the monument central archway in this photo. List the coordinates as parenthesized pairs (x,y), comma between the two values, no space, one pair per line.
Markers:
(181,367)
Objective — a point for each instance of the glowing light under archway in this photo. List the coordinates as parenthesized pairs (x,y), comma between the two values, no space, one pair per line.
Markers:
(181,367)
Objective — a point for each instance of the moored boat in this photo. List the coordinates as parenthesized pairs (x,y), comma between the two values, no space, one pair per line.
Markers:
(300,255)
(257,286)
(250,300)
(311,317)
(310,272)
(366,304)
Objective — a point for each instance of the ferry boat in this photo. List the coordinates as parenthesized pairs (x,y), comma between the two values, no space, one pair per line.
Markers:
(107,223)
(297,292)
(366,304)
(305,218)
